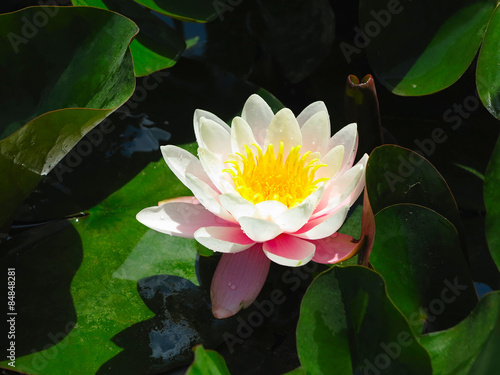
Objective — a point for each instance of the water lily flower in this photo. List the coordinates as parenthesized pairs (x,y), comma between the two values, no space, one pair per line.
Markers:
(272,187)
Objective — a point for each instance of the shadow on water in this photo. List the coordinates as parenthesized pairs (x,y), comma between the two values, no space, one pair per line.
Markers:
(263,334)
(45,258)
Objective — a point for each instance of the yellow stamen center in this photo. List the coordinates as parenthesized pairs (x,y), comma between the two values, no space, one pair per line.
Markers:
(265,176)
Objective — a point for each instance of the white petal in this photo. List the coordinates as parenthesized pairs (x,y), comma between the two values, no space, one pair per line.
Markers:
(294,218)
(324,226)
(237,206)
(213,167)
(215,138)
(198,114)
(283,128)
(257,113)
(316,133)
(223,239)
(339,189)
(348,137)
(333,160)
(269,210)
(181,162)
(361,183)
(259,230)
(289,250)
(309,111)
(208,197)
(241,135)
(178,219)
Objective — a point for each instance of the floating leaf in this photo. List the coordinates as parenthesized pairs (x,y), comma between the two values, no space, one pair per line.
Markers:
(417,251)
(472,346)
(156,47)
(397,175)
(487,76)
(66,80)
(412,57)
(348,324)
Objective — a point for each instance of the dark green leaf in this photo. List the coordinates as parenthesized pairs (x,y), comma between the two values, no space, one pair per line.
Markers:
(398,175)
(66,79)
(472,346)
(417,251)
(420,47)
(488,76)
(156,47)
(348,324)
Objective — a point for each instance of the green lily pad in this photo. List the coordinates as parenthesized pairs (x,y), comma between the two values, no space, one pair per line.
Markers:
(348,324)
(470,347)
(487,75)
(420,47)
(156,47)
(491,198)
(193,11)
(66,79)
(417,251)
(397,175)
(207,362)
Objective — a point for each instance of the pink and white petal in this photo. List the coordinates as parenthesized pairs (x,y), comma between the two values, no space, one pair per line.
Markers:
(309,111)
(257,113)
(269,210)
(215,138)
(316,133)
(353,156)
(241,135)
(289,250)
(361,183)
(338,190)
(323,226)
(177,219)
(238,280)
(283,128)
(185,199)
(333,160)
(348,137)
(294,218)
(259,230)
(200,113)
(213,167)
(236,205)
(229,239)
(208,197)
(334,249)
(181,161)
